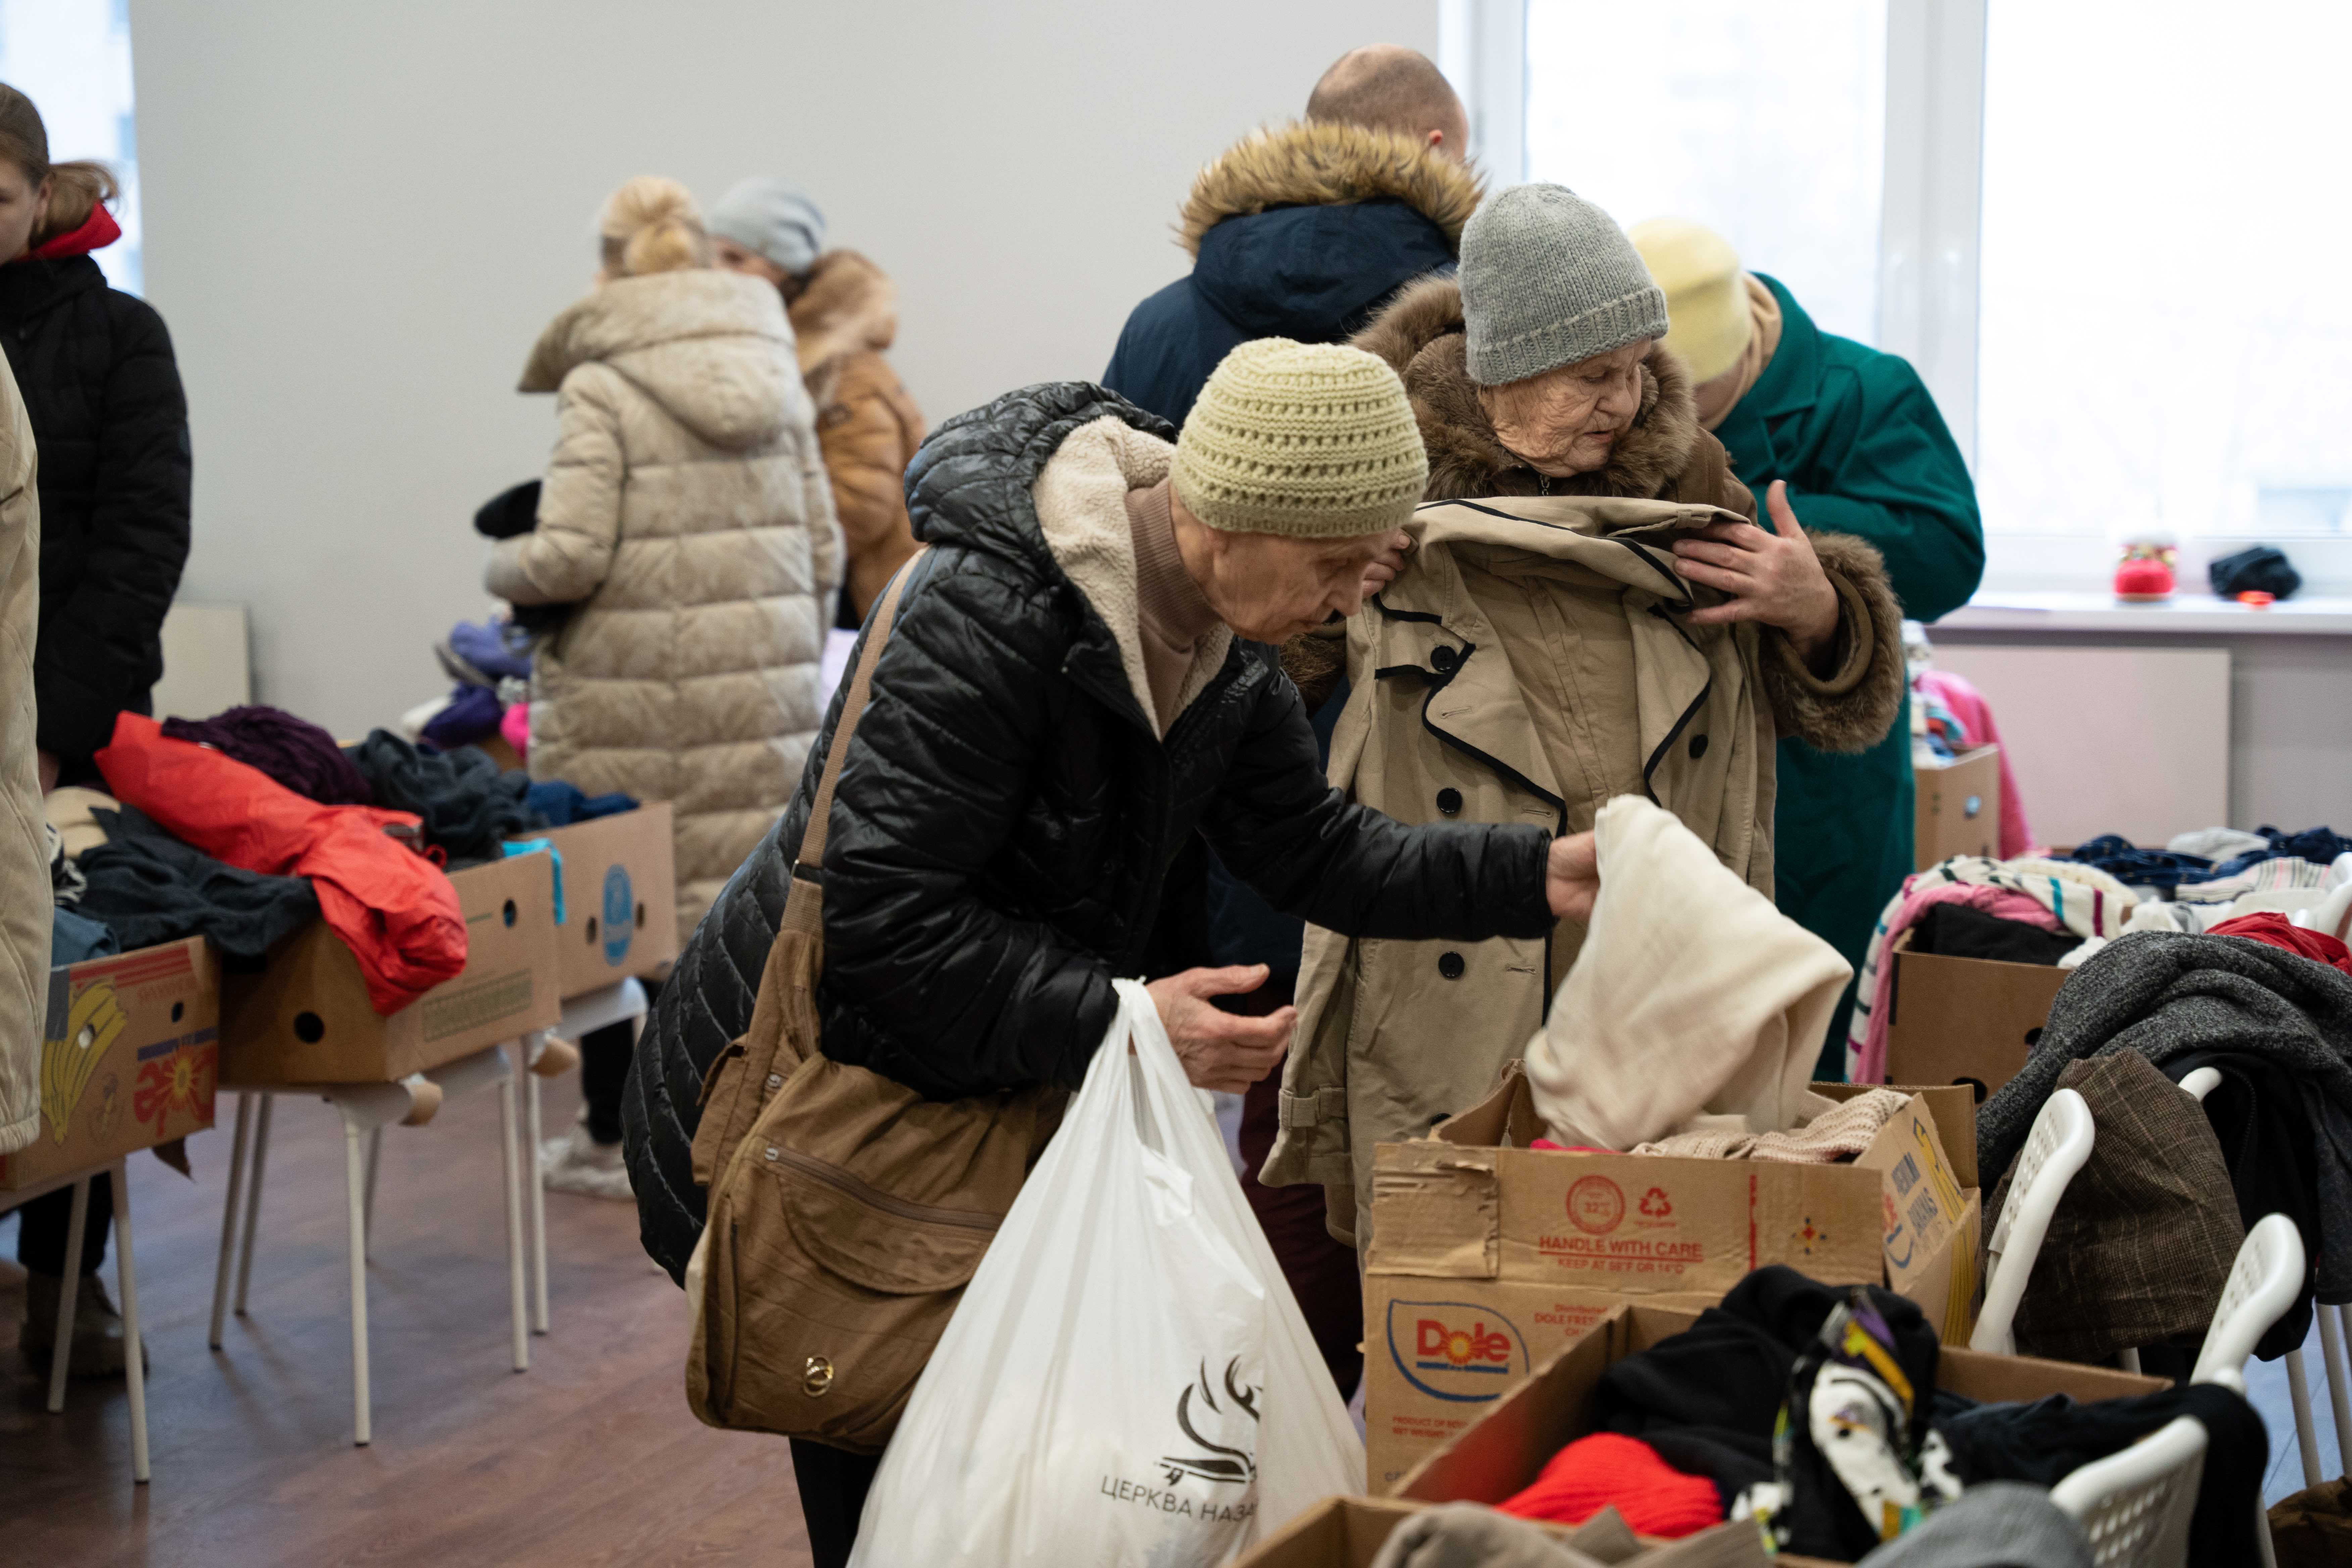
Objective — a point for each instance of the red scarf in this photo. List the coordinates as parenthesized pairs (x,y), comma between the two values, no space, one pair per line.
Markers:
(98,231)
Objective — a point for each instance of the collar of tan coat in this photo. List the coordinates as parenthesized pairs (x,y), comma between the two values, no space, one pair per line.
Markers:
(1081,501)
(1321,163)
(1665,456)
(1484,713)
(849,307)
(711,347)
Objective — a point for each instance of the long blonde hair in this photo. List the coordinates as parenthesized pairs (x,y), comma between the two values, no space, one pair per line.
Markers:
(651,225)
(77,186)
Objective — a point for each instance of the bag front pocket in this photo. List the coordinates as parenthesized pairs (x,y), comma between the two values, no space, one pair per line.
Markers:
(835,1295)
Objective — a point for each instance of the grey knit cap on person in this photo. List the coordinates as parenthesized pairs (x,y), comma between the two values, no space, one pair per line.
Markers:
(770,218)
(1548,278)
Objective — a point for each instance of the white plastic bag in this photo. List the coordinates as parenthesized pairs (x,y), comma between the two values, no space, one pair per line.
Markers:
(1126,1380)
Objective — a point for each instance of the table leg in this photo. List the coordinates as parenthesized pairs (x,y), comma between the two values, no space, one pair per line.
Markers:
(69,1288)
(126,1279)
(228,1213)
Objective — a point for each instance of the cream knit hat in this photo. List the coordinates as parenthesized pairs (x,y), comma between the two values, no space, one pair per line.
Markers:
(1707,293)
(1311,441)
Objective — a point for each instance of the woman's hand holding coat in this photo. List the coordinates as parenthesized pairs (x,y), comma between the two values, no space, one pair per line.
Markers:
(1772,576)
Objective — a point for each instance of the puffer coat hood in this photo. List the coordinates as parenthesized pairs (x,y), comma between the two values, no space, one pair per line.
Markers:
(685,513)
(1297,231)
(1011,830)
(703,344)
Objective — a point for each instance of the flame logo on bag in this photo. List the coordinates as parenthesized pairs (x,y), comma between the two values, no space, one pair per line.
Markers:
(1218,1463)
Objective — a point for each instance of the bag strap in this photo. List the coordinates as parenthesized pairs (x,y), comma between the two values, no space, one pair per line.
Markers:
(810,863)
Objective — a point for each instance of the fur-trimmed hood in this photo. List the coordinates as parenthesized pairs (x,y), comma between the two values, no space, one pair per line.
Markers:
(1421,336)
(1317,164)
(849,306)
(711,347)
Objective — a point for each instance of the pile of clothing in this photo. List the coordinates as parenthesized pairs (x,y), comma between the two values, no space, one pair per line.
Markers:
(246,827)
(2201,873)
(2026,910)
(2268,1004)
(1814,1410)
(490,662)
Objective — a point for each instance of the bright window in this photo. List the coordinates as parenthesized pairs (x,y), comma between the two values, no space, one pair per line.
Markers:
(2166,320)
(73,58)
(1764,123)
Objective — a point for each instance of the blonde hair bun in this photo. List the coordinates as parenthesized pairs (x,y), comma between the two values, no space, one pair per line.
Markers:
(652,225)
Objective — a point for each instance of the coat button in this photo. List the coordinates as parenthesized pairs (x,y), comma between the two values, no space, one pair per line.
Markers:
(1449,965)
(776,1080)
(1449,802)
(1443,659)
(1697,747)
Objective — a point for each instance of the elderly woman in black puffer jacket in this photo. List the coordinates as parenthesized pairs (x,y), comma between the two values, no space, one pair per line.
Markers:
(1064,710)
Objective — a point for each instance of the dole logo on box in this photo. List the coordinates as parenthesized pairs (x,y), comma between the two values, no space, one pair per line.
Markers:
(1456,1351)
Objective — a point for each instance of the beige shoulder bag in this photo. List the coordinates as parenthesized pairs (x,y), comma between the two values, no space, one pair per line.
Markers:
(847,1212)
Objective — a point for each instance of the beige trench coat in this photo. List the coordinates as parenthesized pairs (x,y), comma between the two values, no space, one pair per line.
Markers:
(687,511)
(1534,661)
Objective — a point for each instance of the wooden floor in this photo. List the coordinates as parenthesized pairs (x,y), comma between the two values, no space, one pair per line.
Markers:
(591,1457)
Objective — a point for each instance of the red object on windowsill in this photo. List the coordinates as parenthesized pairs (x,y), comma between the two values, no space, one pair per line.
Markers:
(2255,599)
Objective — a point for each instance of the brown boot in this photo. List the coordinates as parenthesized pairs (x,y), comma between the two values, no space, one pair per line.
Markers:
(96,1334)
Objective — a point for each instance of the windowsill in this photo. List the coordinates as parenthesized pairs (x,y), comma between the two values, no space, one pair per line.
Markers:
(1993,610)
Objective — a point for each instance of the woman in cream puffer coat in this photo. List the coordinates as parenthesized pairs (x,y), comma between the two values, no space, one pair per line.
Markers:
(686,512)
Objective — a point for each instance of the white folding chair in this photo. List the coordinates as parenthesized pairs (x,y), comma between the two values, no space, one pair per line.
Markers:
(2261,1286)
(365,1108)
(2055,1149)
(2136,1505)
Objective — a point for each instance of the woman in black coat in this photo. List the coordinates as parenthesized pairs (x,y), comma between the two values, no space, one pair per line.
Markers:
(103,394)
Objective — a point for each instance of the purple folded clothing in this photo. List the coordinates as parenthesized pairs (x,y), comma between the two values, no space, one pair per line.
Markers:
(472,716)
(294,752)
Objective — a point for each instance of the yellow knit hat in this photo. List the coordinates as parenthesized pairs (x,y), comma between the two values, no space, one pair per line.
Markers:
(1313,441)
(1707,294)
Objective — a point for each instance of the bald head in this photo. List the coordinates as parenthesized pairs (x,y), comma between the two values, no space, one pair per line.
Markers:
(1388,87)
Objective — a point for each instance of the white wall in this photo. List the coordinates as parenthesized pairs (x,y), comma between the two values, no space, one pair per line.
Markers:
(360,217)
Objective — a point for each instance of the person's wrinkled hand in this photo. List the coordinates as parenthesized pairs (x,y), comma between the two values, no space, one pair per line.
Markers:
(1771,577)
(1384,567)
(1572,876)
(1222,1051)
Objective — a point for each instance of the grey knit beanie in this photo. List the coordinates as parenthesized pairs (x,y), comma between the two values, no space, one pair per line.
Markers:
(770,218)
(1548,278)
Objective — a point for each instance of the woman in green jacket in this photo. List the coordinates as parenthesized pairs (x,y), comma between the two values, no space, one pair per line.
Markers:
(1857,437)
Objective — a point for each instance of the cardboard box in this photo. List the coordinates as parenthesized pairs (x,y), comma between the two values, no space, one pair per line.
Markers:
(620,898)
(129,1056)
(305,1017)
(1958,808)
(1349,1532)
(1965,1020)
(1488,1256)
(1512,1441)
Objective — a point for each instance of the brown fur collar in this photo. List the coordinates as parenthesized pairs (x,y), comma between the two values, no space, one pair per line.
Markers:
(848,306)
(1420,334)
(1323,163)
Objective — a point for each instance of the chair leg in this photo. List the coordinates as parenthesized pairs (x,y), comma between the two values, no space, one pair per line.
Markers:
(367,1205)
(355,1195)
(253,1198)
(2262,1533)
(76,1221)
(537,1194)
(228,1213)
(508,1131)
(126,1280)
(2339,1385)
(2306,1438)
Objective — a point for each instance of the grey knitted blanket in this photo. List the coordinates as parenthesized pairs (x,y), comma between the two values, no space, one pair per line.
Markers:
(2166,994)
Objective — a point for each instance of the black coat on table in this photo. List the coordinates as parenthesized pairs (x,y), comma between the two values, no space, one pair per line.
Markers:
(103,392)
(1002,837)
